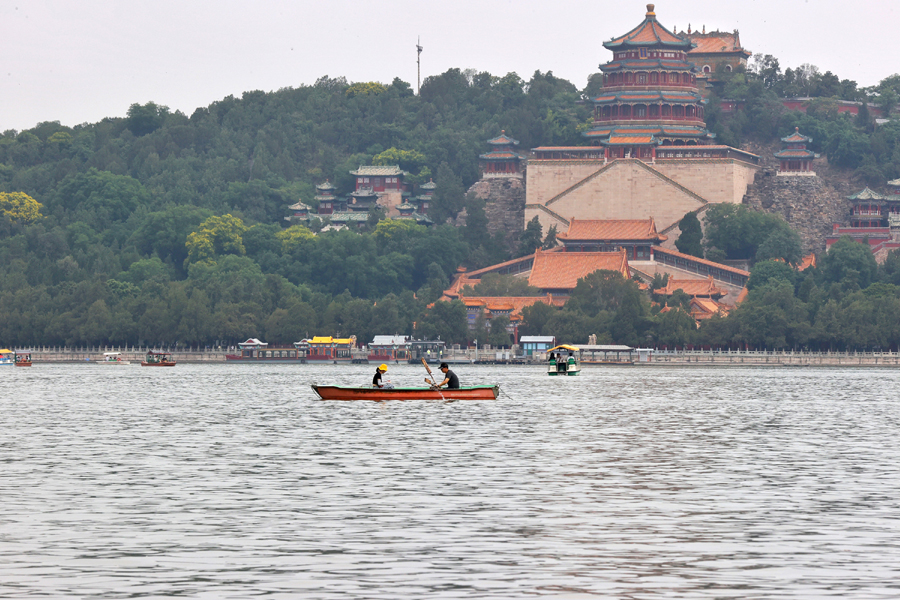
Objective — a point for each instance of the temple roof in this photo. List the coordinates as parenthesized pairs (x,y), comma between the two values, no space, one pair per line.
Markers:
(795,153)
(716,42)
(649,33)
(894,182)
(867,194)
(797,138)
(378,171)
(500,155)
(707,308)
(611,229)
(299,206)
(324,186)
(630,140)
(345,216)
(503,140)
(562,270)
(702,261)
(513,304)
(365,192)
(428,186)
(690,131)
(647,64)
(692,287)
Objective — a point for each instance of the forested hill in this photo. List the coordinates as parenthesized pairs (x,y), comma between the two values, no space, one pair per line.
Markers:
(163,227)
(119,199)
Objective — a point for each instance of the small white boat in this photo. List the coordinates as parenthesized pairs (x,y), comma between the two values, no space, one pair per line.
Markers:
(564,360)
(113,358)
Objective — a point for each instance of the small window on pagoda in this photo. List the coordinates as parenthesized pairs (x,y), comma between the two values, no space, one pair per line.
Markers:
(728,68)
(642,78)
(643,53)
(706,69)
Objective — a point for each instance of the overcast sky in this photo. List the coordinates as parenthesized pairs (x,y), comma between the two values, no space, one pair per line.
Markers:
(78,61)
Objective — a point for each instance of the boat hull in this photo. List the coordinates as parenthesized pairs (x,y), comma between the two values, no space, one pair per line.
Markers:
(334,392)
(158,364)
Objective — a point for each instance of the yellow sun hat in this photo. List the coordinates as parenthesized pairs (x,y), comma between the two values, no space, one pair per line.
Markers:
(383,367)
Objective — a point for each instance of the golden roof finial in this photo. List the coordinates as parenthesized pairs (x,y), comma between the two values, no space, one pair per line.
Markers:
(650,12)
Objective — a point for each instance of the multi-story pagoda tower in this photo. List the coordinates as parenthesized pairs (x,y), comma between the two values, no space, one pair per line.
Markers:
(650,96)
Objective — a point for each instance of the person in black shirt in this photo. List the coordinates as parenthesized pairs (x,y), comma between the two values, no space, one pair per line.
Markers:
(376,380)
(450,378)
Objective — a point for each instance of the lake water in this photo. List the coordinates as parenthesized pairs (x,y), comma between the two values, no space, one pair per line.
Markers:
(233,481)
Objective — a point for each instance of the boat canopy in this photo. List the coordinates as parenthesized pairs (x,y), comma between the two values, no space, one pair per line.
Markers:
(6,351)
(564,347)
(111,353)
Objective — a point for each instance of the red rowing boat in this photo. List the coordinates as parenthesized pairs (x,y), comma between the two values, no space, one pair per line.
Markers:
(337,392)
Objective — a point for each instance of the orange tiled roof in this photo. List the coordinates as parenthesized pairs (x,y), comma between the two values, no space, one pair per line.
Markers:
(647,33)
(741,296)
(692,287)
(632,139)
(562,270)
(705,308)
(701,261)
(806,262)
(513,304)
(715,42)
(612,230)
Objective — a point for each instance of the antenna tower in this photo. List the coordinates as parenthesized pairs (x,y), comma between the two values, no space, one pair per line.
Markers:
(418,65)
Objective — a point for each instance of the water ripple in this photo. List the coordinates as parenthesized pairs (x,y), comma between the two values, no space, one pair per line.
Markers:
(233,481)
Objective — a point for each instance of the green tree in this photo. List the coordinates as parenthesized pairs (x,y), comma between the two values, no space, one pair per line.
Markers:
(445,321)
(782,243)
(216,236)
(530,240)
(691,238)
(499,337)
(19,207)
(769,271)
(849,262)
(147,118)
(449,196)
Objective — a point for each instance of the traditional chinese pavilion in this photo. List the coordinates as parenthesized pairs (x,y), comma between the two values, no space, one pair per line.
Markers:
(650,95)
(502,160)
(695,288)
(795,158)
(379,178)
(713,50)
(423,201)
(300,213)
(636,236)
(869,209)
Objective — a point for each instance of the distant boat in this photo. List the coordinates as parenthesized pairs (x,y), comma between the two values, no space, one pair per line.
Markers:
(337,392)
(113,358)
(23,358)
(158,359)
(564,364)
(258,352)
(7,357)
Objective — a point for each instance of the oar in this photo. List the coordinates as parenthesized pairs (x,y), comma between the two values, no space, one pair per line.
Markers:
(427,368)
(433,382)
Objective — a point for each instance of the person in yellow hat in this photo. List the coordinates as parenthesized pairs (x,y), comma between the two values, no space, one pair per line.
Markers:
(376,381)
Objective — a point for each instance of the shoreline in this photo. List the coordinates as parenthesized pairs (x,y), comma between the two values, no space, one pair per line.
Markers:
(659,359)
